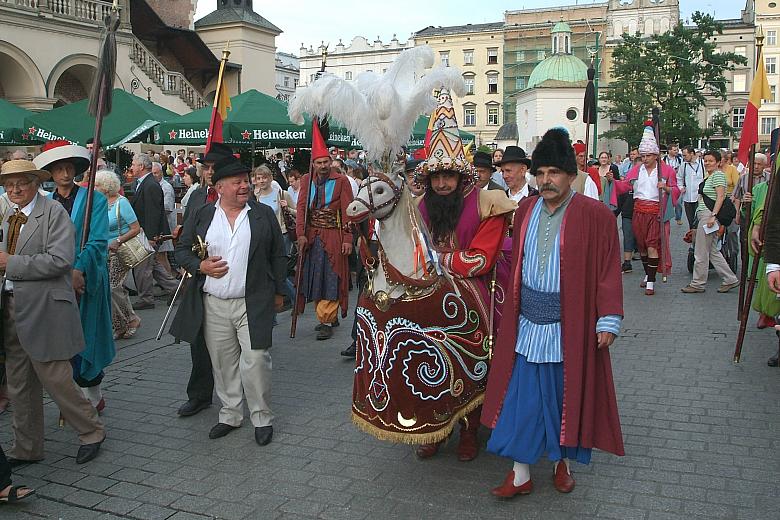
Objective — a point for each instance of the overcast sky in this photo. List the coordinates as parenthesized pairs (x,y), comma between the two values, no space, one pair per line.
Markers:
(314,21)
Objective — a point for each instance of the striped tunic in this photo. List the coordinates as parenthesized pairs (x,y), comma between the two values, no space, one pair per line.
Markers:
(542,272)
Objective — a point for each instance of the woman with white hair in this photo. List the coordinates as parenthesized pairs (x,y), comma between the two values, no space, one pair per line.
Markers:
(122,226)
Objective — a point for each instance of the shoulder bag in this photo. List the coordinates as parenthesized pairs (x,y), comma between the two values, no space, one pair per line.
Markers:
(135,250)
(728,211)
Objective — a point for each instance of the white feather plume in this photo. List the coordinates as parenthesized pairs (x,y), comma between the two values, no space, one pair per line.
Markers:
(379,109)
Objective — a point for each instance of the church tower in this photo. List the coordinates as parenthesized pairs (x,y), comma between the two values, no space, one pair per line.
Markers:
(252,44)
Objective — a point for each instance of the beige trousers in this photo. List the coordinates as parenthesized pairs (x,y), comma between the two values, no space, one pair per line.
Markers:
(706,251)
(239,371)
(26,380)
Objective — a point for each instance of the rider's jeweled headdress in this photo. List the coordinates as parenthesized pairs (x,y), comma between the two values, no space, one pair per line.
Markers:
(379,109)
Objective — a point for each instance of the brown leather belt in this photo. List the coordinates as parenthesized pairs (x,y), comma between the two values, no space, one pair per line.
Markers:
(324,218)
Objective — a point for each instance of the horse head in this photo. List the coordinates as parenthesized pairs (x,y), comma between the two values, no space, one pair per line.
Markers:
(378,195)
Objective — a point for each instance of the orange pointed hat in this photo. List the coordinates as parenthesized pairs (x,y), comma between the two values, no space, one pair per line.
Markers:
(446,148)
(318,147)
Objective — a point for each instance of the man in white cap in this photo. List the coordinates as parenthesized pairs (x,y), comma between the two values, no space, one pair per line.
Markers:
(653,182)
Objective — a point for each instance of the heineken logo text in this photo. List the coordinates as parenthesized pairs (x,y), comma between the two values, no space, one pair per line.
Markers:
(262,135)
(189,133)
(45,135)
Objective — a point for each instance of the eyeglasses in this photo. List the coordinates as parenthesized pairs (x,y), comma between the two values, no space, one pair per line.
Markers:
(20,185)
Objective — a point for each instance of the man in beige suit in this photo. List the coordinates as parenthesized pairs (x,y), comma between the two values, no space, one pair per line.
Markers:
(36,257)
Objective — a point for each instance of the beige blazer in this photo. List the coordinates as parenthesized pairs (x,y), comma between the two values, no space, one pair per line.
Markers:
(47,317)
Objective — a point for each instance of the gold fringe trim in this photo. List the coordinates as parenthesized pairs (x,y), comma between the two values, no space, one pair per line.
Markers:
(417,438)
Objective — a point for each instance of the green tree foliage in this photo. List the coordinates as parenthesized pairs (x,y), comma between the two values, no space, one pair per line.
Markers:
(675,71)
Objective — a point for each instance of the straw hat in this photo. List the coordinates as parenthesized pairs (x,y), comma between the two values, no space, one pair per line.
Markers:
(21,167)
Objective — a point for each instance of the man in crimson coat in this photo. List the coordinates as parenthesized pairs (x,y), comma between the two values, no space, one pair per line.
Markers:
(550,387)
(324,237)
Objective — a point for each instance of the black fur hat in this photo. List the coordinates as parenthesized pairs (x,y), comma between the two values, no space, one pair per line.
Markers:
(554,150)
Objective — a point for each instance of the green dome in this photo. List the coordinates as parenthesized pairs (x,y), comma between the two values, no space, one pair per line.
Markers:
(559,70)
(561,27)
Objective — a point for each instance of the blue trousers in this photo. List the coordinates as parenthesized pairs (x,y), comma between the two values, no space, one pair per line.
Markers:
(530,421)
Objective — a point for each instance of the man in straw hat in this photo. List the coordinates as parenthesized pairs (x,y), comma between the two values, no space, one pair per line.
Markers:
(90,269)
(556,321)
(36,258)
(238,287)
(652,182)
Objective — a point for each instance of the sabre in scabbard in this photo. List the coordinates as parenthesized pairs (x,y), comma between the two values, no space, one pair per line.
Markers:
(200,248)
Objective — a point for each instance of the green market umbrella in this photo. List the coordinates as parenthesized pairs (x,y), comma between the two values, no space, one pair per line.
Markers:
(130,117)
(12,128)
(255,119)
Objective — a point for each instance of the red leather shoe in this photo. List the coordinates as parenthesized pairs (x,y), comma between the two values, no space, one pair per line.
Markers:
(649,292)
(509,490)
(764,321)
(562,478)
(426,451)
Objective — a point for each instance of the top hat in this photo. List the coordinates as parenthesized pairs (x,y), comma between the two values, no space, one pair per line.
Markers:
(216,152)
(513,154)
(21,167)
(62,150)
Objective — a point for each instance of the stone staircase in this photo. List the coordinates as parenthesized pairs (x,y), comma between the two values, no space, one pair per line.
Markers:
(173,83)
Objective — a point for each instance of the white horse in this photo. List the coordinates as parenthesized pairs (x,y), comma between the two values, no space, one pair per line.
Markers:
(422,354)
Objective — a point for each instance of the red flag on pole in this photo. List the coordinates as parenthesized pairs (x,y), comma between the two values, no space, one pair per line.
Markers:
(221,106)
(758,91)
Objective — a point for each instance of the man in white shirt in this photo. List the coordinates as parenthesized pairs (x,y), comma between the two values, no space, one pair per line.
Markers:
(514,166)
(689,176)
(673,159)
(239,283)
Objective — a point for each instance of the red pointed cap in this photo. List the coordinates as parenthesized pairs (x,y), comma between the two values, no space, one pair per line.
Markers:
(578,148)
(318,148)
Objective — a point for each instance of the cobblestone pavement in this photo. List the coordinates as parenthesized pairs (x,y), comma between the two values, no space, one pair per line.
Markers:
(701,436)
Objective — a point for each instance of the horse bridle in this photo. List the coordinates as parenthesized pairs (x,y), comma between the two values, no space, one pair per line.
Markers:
(380,177)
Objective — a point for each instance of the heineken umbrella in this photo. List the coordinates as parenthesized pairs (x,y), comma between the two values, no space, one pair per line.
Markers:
(12,128)
(130,117)
(421,128)
(255,119)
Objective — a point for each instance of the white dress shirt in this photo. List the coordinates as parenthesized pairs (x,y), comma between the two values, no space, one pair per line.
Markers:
(646,186)
(591,190)
(520,195)
(232,244)
(691,174)
(27,210)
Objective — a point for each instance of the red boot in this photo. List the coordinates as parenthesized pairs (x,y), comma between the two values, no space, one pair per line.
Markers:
(509,490)
(764,321)
(426,451)
(468,446)
(562,478)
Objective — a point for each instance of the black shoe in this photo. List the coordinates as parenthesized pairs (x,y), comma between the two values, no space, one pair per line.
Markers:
(140,306)
(220,430)
(325,332)
(87,452)
(15,463)
(192,407)
(264,434)
(627,268)
(334,324)
(350,351)
(772,362)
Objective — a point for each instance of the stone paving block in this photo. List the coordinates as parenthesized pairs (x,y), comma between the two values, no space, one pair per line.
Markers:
(302,507)
(620,512)
(127,490)
(193,504)
(84,498)
(118,505)
(151,512)
(95,483)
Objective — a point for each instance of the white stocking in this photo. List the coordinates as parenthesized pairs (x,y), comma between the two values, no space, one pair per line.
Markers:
(522,473)
(93,393)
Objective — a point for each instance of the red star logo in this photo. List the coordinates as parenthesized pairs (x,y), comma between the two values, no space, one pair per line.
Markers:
(172,134)
(25,136)
(31,130)
(245,135)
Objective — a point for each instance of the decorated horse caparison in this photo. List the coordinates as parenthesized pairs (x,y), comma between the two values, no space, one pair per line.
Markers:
(423,338)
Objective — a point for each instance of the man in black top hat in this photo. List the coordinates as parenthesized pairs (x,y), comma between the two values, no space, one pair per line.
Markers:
(483,164)
(238,286)
(514,164)
(200,386)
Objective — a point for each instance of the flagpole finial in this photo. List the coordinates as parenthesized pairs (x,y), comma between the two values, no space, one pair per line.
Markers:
(226,51)
(115,6)
(760,37)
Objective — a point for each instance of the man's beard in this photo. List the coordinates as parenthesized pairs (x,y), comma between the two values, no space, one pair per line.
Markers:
(444,213)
